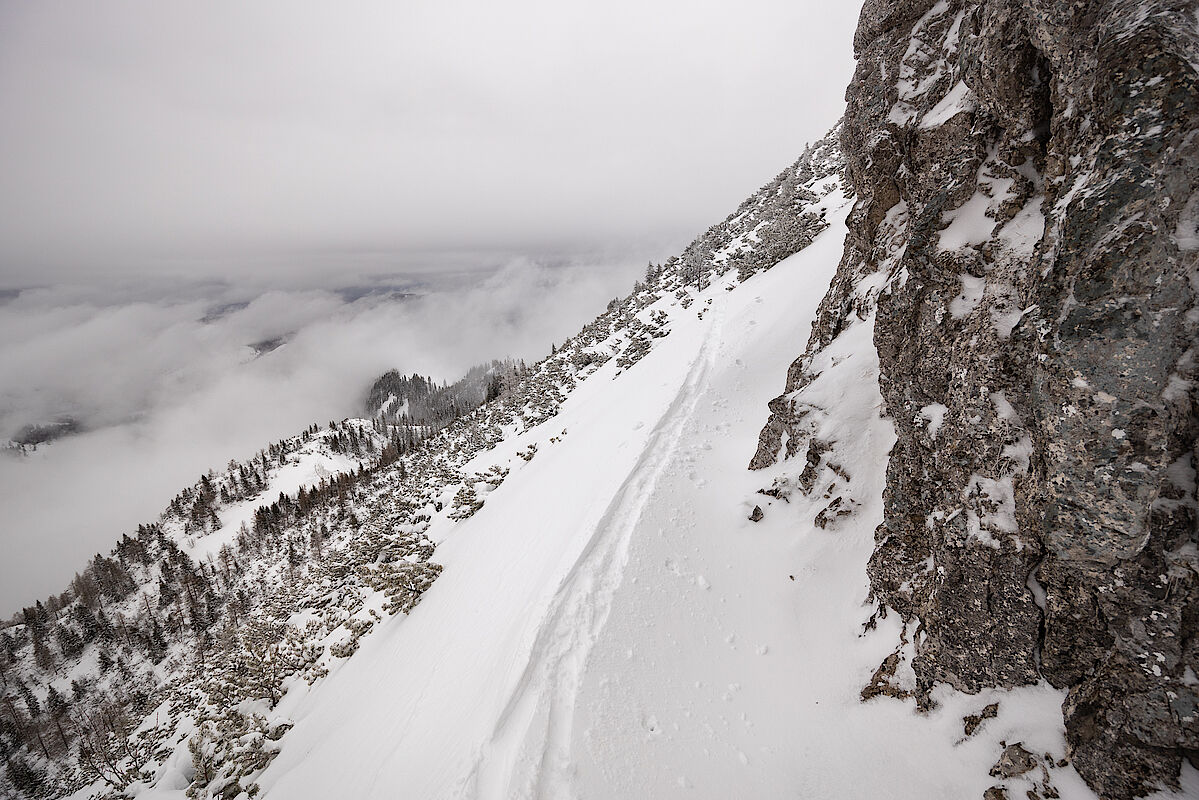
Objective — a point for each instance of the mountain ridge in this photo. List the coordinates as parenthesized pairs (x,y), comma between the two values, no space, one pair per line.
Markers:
(966,547)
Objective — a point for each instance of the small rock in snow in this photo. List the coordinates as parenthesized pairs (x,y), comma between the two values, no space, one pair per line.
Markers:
(1014,761)
(971,722)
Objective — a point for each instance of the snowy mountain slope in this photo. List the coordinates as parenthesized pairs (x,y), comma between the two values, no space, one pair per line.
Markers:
(193,686)
(110,671)
(416,400)
(611,624)
(645,649)
(312,462)
(625,612)
(527,580)
(618,608)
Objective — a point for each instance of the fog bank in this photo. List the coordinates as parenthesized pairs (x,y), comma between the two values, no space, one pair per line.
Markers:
(166,385)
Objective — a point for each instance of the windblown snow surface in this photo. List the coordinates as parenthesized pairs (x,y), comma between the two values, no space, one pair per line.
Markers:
(611,625)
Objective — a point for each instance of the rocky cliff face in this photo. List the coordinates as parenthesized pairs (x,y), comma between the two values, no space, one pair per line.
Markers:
(1025,242)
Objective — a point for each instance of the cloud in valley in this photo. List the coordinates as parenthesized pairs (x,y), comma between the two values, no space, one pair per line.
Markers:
(163,395)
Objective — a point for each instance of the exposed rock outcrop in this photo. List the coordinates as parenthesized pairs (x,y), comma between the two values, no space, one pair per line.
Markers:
(1026,236)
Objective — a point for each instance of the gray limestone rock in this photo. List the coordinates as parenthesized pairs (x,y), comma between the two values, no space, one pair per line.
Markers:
(1026,175)
(1014,761)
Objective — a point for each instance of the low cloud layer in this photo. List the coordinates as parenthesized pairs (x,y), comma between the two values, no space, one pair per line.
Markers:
(167,386)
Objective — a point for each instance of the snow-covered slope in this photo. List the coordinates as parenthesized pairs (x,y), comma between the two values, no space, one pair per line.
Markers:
(612,624)
(476,690)
(565,600)
(618,608)
(219,637)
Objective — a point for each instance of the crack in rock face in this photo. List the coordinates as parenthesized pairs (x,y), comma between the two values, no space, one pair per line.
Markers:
(1025,237)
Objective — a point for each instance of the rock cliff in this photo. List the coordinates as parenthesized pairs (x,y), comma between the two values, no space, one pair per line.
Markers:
(1025,242)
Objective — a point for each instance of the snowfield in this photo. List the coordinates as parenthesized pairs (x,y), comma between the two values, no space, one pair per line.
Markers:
(610,624)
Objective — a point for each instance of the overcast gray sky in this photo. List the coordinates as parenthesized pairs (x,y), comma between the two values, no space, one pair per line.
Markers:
(216,137)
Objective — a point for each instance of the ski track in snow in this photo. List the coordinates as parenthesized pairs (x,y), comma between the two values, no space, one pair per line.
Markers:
(542,708)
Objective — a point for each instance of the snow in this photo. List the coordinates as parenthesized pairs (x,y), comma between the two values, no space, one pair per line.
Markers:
(933,414)
(610,624)
(955,101)
(1186,234)
(1026,229)
(969,224)
(1005,320)
(1003,407)
(307,467)
(1020,453)
(999,495)
(919,55)
(969,298)
(390,408)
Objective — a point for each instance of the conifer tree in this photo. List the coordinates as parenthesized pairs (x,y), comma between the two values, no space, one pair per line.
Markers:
(29,780)
(31,703)
(89,627)
(55,702)
(42,655)
(69,642)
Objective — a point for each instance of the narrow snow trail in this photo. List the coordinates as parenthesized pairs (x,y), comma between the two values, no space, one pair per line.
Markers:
(530,740)
(681,658)
(729,664)
(725,658)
